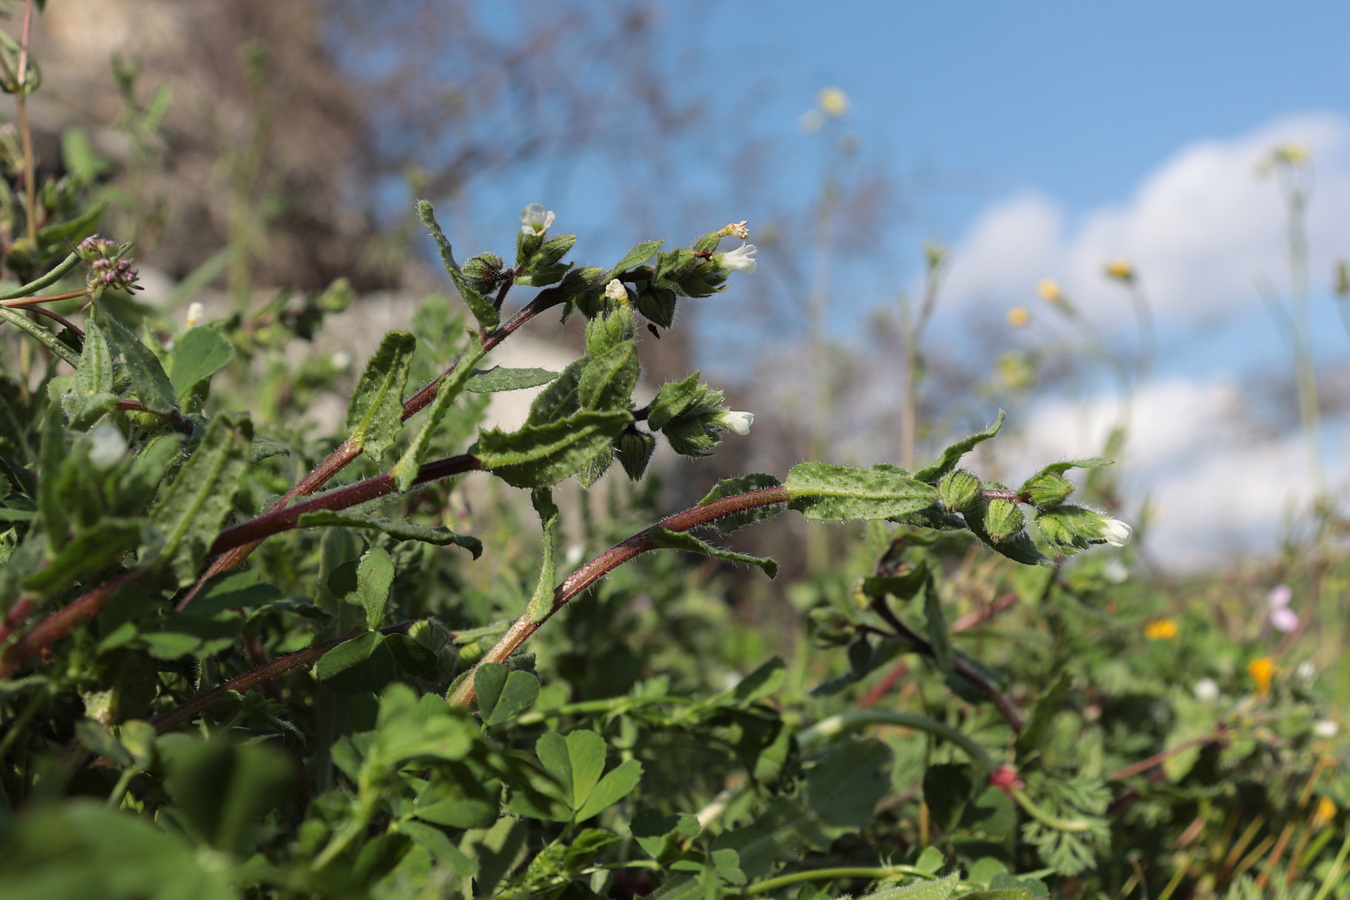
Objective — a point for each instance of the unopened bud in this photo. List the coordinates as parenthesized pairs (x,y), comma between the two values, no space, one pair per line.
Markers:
(959,491)
(1002,520)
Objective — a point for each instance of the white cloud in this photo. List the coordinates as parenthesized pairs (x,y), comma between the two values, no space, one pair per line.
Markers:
(1202,230)
(1216,486)
(1204,233)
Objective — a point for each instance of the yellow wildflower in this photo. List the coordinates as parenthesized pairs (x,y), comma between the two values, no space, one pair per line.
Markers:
(1324,812)
(1262,671)
(1120,269)
(833,102)
(1161,630)
(1018,316)
(1049,290)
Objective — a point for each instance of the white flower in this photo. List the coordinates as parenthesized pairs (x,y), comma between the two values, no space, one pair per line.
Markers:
(106,445)
(340,359)
(616,291)
(742,258)
(737,420)
(534,219)
(739,229)
(1115,571)
(1115,532)
(1207,689)
(1325,728)
(195,311)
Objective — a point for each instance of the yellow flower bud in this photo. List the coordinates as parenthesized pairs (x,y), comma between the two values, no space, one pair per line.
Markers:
(1018,316)
(833,102)
(1161,630)
(1120,269)
(1049,290)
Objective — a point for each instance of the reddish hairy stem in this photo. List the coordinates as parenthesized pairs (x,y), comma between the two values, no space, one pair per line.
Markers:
(59,623)
(606,562)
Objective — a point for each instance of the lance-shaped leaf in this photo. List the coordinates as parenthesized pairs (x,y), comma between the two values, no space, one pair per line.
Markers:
(666,539)
(395,528)
(952,455)
(198,353)
(482,308)
(607,382)
(89,552)
(149,382)
(635,257)
(451,386)
(375,412)
(543,455)
(560,398)
(488,381)
(95,375)
(199,499)
(826,493)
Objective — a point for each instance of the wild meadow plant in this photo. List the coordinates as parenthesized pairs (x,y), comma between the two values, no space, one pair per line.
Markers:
(240,658)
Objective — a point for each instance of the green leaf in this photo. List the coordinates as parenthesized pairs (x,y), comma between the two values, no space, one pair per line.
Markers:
(941,889)
(666,539)
(503,694)
(487,381)
(363,664)
(541,601)
(375,413)
(149,382)
(374,578)
(560,398)
(939,637)
(613,787)
(202,496)
(952,455)
(438,535)
(640,254)
(223,791)
(577,761)
(481,308)
(451,386)
(93,549)
(825,493)
(95,375)
(1019,548)
(607,382)
(948,788)
(198,353)
(543,455)
(729,487)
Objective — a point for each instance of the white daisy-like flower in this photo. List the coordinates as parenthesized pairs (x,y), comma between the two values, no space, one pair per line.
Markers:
(616,291)
(534,219)
(1115,532)
(742,259)
(738,420)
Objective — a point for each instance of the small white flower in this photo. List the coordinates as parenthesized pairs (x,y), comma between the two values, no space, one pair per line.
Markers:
(341,359)
(1325,728)
(106,445)
(195,312)
(741,259)
(1115,571)
(616,291)
(737,420)
(534,219)
(1306,671)
(739,229)
(1115,532)
(1207,689)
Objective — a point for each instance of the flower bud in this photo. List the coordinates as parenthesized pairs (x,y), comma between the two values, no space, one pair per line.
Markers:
(1047,489)
(484,272)
(960,491)
(1002,520)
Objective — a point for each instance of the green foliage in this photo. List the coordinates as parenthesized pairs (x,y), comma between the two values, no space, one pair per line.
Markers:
(354,714)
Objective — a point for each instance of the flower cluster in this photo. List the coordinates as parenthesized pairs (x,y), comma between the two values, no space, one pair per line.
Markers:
(109,267)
